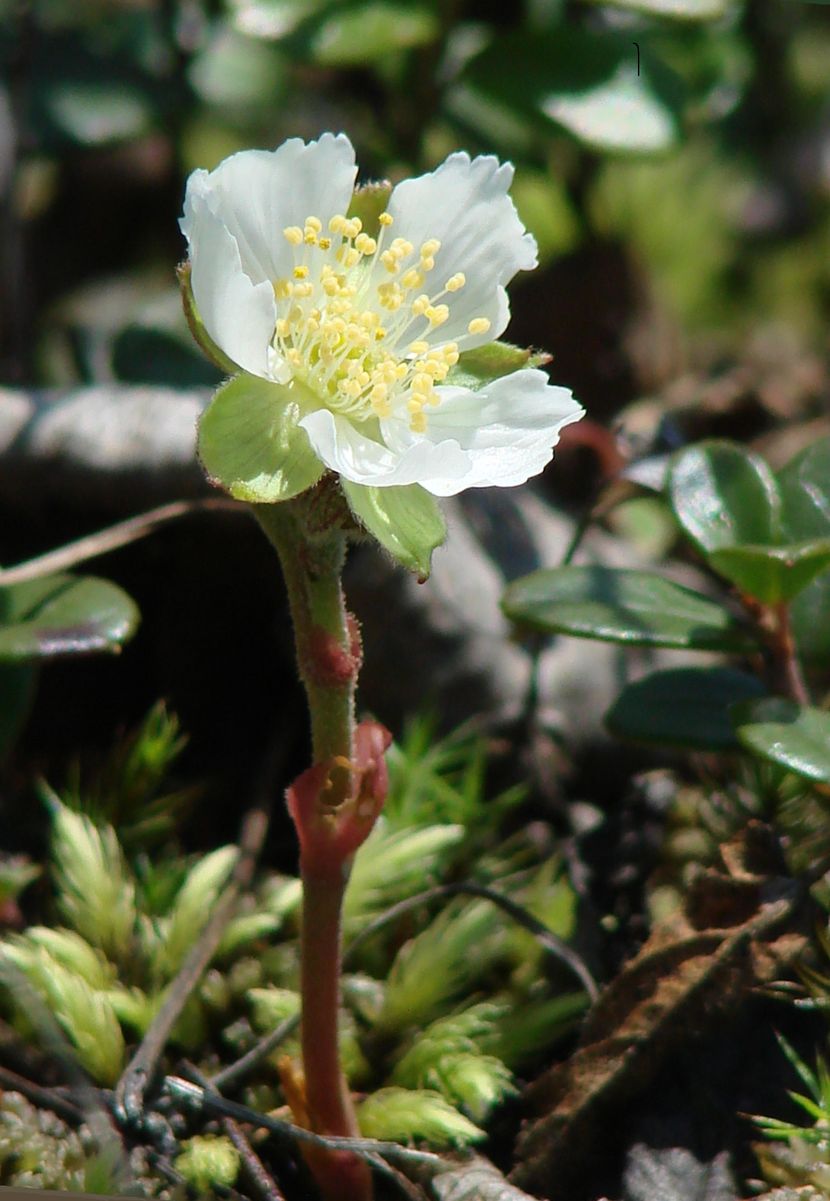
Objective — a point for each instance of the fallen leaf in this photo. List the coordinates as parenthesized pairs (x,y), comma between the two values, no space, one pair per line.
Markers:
(738,931)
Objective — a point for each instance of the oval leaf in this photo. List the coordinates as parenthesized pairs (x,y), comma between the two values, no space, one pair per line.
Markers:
(794,736)
(582,81)
(772,574)
(406,521)
(683,707)
(805,493)
(63,615)
(251,445)
(612,605)
(724,496)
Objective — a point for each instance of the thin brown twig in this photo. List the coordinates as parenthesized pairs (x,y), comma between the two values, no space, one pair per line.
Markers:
(260,1179)
(130,1090)
(43,1098)
(246,1063)
(112,538)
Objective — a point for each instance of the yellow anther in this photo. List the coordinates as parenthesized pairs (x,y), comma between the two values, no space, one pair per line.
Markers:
(314,224)
(324,243)
(337,223)
(389,261)
(365,244)
(438,314)
(353,227)
(478,325)
(304,290)
(293,234)
(427,263)
(455,282)
(430,247)
(411,279)
(420,305)
(300,272)
(419,347)
(380,334)
(386,219)
(418,423)
(283,289)
(283,328)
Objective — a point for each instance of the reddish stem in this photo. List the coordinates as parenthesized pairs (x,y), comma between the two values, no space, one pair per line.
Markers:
(341,1176)
(786,656)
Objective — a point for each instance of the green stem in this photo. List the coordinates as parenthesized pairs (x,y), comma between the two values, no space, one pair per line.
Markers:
(328,664)
(312,573)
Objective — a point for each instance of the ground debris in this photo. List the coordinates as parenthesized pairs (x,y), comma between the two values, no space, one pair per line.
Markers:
(740,929)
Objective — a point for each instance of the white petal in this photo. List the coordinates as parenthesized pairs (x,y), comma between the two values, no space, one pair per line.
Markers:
(465,205)
(238,314)
(257,193)
(506,432)
(345,449)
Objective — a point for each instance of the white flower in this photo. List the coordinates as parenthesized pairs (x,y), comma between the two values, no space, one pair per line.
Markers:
(358,332)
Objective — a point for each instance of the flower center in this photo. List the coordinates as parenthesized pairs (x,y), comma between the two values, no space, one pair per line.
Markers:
(354,322)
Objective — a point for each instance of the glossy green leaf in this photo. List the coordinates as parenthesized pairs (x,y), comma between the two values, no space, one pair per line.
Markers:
(724,496)
(805,493)
(683,707)
(772,574)
(63,615)
(635,607)
(251,445)
(406,521)
(584,82)
(352,35)
(804,485)
(795,736)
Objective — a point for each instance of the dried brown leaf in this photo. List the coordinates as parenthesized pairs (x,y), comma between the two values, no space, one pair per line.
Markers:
(738,931)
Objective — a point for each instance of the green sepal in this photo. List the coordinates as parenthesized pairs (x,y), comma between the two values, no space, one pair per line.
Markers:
(406,521)
(368,202)
(491,361)
(250,443)
(197,328)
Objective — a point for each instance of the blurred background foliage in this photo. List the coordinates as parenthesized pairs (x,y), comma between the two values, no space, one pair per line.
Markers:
(673,161)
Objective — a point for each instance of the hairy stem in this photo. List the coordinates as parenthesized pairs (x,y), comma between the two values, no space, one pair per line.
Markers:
(328,663)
